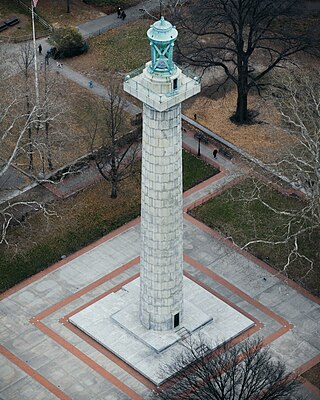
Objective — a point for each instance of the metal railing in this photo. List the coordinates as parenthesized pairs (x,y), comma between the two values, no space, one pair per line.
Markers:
(189,73)
(134,73)
(184,70)
(161,97)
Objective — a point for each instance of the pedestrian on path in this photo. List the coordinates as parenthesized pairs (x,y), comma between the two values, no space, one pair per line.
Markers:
(47,57)
(119,12)
(215,152)
(90,84)
(40,48)
(123,15)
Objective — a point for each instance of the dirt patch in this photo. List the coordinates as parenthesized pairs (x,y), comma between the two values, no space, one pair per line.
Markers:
(55,12)
(22,30)
(313,375)
(121,50)
(262,140)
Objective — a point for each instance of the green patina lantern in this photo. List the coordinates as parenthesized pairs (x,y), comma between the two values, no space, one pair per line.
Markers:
(162,36)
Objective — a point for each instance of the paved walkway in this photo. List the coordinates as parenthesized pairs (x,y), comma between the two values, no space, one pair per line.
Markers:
(100,25)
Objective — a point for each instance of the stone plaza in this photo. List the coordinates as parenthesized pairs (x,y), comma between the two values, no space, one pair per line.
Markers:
(43,356)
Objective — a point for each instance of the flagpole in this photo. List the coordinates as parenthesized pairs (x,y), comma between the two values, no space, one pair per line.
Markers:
(35,55)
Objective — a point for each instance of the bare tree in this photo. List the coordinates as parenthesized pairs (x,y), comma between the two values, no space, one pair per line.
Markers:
(25,131)
(25,61)
(230,34)
(297,97)
(116,158)
(27,128)
(246,371)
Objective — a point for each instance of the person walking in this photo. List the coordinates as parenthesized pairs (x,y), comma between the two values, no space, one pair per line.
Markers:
(47,58)
(40,48)
(119,12)
(215,152)
(123,15)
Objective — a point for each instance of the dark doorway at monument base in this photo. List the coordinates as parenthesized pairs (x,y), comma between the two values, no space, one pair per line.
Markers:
(176,320)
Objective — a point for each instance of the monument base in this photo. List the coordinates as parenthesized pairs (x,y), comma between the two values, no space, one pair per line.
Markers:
(114,323)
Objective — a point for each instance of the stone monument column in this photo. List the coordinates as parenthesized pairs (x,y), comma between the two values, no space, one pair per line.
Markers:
(150,318)
(161,219)
(161,86)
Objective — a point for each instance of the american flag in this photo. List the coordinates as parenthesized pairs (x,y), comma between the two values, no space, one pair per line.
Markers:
(35,3)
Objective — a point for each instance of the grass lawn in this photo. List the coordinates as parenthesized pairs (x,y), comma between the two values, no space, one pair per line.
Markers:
(243,222)
(23,29)
(55,12)
(195,170)
(313,375)
(7,7)
(123,49)
(119,50)
(80,220)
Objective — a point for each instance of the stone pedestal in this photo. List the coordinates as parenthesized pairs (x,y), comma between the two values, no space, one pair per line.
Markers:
(113,321)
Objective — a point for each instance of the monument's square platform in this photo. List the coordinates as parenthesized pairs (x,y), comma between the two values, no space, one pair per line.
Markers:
(113,321)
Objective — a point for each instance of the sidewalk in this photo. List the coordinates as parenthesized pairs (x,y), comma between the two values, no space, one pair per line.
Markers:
(100,25)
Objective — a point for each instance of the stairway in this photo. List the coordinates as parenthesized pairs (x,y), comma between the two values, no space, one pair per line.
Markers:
(183,333)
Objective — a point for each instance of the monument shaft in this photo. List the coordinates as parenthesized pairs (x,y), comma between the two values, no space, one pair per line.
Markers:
(161,86)
(161,219)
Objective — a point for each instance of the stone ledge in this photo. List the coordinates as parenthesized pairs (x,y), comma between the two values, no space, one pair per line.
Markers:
(128,319)
(98,321)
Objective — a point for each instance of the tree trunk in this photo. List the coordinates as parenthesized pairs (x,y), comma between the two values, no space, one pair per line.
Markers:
(30,149)
(114,175)
(241,115)
(30,144)
(48,145)
(114,190)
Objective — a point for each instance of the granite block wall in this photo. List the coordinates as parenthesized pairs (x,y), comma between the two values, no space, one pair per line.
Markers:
(161,219)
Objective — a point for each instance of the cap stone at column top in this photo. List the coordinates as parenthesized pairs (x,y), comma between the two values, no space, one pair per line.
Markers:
(161,92)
